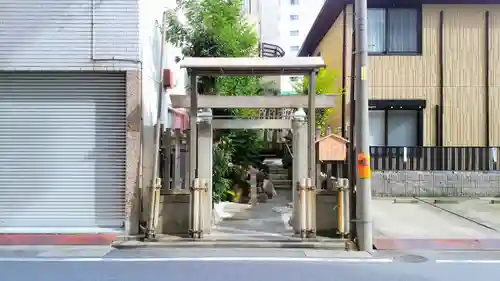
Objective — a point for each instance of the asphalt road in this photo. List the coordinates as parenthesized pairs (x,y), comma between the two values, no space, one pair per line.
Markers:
(243,265)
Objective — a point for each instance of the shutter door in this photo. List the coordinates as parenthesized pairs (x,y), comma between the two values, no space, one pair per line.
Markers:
(62,149)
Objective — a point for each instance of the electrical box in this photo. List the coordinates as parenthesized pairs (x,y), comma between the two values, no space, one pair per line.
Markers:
(168,79)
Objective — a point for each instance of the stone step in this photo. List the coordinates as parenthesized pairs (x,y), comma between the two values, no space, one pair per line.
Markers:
(282,184)
(282,187)
(286,181)
(274,177)
(280,171)
(279,174)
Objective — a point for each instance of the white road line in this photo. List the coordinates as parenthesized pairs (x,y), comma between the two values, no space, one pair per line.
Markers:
(202,259)
(470,261)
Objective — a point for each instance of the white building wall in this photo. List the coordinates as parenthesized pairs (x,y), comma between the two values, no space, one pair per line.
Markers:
(274,15)
(306,10)
(88,35)
(69,35)
(270,22)
(151,16)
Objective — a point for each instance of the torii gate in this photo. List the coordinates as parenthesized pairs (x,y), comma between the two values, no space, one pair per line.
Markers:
(201,125)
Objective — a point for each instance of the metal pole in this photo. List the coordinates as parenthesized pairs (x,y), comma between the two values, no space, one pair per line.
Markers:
(155,182)
(311,122)
(347,214)
(352,153)
(300,150)
(205,165)
(176,183)
(193,131)
(167,160)
(259,12)
(363,184)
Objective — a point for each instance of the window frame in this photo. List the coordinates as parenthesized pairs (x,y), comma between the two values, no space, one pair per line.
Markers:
(386,8)
(395,151)
(419,115)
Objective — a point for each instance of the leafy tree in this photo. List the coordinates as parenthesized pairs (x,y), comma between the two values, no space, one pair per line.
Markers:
(325,81)
(217,28)
(325,85)
(223,152)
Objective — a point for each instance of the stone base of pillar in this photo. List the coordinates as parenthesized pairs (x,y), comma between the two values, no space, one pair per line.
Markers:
(326,213)
(174,212)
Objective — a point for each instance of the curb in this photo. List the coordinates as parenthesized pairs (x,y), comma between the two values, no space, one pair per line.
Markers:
(48,239)
(233,244)
(437,244)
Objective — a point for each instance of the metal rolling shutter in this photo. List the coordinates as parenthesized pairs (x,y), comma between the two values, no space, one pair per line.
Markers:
(62,149)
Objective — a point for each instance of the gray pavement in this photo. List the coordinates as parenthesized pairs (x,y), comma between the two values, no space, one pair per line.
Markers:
(422,219)
(262,226)
(104,263)
(266,221)
(243,271)
(484,211)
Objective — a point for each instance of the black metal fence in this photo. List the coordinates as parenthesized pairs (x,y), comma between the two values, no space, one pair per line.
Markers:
(423,158)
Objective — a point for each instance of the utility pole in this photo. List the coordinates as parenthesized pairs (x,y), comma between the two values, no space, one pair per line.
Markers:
(352,150)
(363,177)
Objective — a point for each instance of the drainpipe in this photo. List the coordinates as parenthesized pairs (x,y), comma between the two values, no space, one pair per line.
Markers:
(344,70)
(440,113)
(487,75)
(155,181)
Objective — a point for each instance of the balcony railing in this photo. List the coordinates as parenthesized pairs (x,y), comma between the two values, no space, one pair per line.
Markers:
(422,158)
(271,50)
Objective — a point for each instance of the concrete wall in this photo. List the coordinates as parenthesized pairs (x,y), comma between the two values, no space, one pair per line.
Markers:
(417,77)
(133,194)
(435,183)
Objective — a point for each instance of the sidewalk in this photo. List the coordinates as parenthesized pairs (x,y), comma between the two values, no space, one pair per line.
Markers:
(242,226)
(266,221)
(436,223)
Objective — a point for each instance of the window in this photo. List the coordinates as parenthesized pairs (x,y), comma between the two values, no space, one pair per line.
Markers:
(394,128)
(394,31)
(294,17)
(294,2)
(246,6)
(377,127)
(294,48)
(294,33)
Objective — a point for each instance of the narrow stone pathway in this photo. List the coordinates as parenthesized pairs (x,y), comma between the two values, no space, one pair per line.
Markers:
(266,221)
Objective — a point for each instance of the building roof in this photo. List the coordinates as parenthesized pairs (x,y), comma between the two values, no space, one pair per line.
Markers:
(332,8)
(223,66)
(333,136)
